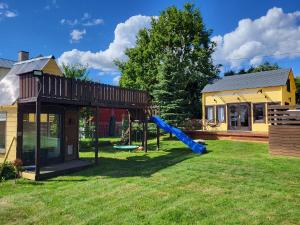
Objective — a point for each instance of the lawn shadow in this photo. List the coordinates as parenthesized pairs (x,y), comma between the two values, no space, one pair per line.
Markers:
(137,165)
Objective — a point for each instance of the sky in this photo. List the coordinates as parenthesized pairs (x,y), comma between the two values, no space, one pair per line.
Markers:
(95,33)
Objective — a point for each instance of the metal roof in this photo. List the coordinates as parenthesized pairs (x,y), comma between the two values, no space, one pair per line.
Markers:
(30,65)
(6,63)
(9,85)
(250,80)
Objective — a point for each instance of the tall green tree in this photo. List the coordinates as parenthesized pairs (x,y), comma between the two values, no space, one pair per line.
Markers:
(77,71)
(178,38)
(170,92)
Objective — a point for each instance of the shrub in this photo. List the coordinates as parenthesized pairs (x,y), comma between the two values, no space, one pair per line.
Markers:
(8,171)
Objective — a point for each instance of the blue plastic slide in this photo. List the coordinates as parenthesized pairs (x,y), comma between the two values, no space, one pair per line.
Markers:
(194,146)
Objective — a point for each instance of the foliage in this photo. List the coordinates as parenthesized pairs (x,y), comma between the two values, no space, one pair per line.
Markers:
(18,168)
(266,66)
(297,81)
(76,71)
(86,124)
(8,171)
(179,38)
(170,93)
(235,183)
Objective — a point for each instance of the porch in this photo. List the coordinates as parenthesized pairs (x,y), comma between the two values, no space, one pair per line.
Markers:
(57,169)
(229,135)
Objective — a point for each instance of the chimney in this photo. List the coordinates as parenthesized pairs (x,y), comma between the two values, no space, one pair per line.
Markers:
(23,55)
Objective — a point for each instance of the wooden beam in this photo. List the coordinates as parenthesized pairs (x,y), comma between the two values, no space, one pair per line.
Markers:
(157,137)
(130,129)
(146,136)
(19,131)
(143,136)
(96,134)
(38,138)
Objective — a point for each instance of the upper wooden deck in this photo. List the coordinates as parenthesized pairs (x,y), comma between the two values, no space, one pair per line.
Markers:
(62,90)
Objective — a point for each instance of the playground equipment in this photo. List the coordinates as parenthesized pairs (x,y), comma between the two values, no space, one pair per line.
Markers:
(194,146)
(126,147)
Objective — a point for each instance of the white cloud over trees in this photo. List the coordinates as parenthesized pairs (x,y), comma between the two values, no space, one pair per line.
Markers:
(276,34)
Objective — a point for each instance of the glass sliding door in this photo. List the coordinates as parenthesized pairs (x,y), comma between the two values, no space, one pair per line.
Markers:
(239,116)
(50,138)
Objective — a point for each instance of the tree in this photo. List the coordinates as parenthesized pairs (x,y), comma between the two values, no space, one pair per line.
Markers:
(297,82)
(178,38)
(266,66)
(77,71)
(170,92)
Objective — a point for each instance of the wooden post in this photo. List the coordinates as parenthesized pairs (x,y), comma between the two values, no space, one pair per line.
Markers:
(157,137)
(143,136)
(130,129)
(19,131)
(146,136)
(38,138)
(96,134)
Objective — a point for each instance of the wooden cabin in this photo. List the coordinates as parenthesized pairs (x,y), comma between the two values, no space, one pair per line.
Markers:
(239,103)
(39,115)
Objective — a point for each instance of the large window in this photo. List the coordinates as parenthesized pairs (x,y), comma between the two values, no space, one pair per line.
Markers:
(259,113)
(210,114)
(221,115)
(288,85)
(2,131)
(50,138)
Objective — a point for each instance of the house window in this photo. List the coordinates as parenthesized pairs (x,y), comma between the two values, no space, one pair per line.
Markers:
(210,114)
(259,113)
(2,131)
(288,85)
(221,114)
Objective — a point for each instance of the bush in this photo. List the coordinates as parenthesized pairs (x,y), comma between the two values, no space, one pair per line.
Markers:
(8,171)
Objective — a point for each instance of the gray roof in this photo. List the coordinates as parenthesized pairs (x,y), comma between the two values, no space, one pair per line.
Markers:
(250,80)
(30,65)
(9,85)
(6,63)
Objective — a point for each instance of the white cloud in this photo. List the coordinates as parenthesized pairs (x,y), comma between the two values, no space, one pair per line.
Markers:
(116,80)
(125,37)
(3,5)
(85,20)
(10,14)
(76,35)
(93,22)
(51,5)
(277,33)
(69,22)
(5,12)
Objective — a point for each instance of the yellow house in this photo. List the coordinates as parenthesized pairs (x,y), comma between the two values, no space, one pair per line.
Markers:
(9,93)
(239,102)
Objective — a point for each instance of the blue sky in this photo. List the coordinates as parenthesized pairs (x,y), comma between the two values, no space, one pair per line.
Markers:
(96,32)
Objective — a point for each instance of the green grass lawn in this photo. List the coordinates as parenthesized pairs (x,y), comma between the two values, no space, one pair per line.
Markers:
(234,183)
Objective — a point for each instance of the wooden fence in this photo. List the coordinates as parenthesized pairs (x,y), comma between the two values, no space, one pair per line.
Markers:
(59,89)
(284,130)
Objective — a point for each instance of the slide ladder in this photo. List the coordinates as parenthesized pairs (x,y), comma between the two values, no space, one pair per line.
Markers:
(194,146)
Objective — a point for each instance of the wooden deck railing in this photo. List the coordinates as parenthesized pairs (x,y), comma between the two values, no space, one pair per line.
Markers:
(284,130)
(66,90)
(284,115)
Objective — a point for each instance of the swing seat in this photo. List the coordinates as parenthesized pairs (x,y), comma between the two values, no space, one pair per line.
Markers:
(126,147)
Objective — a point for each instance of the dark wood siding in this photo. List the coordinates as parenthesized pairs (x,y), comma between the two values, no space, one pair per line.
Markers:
(64,90)
(284,130)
